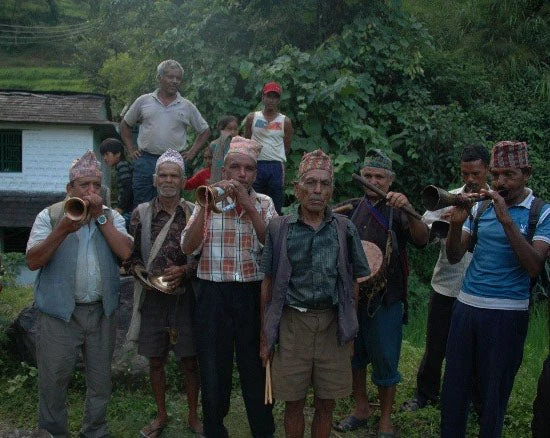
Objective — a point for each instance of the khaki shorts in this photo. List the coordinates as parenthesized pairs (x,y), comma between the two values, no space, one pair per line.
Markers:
(309,353)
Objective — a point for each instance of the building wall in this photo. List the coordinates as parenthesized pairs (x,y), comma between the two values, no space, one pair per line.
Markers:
(48,151)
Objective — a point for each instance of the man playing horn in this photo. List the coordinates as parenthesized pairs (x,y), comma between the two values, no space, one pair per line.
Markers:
(381,309)
(228,296)
(76,293)
(311,262)
(165,317)
(446,280)
(490,318)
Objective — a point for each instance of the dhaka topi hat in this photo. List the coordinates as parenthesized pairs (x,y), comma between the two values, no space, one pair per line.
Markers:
(85,166)
(272,87)
(316,160)
(244,146)
(171,156)
(377,158)
(510,154)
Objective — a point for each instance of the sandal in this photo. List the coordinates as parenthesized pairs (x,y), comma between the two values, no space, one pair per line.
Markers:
(412,405)
(152,430)
(350,423)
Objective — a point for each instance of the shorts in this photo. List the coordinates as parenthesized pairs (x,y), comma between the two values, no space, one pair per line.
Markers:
(309,353)
(166,325)
(379,343)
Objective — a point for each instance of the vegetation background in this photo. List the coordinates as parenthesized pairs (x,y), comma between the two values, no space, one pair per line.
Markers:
(419,79)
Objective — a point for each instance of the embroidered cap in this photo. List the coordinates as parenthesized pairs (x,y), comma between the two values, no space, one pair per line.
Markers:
(171,156)
(245,146)
(377,158)
(510,154)
(316,160)
(272,86)
(85,166)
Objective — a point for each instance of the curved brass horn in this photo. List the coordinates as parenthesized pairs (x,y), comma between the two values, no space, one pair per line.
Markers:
(209,196)
(76,209)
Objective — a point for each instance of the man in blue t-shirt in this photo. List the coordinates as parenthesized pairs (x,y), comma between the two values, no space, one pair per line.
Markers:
(490,318)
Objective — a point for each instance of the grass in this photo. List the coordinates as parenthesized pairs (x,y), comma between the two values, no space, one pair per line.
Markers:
(42,79)
(132,404)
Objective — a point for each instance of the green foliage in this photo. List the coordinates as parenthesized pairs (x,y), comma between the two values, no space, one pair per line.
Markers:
(26,377)
(11,267)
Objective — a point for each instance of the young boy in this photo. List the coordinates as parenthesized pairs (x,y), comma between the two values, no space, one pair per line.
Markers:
(112,151)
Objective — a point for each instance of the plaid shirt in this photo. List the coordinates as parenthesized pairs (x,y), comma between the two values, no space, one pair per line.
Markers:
(231,250)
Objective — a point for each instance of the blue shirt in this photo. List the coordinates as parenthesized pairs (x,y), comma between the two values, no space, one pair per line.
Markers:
(495,279)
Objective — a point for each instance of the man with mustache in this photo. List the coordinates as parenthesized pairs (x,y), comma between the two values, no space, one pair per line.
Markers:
(165,318)
(227,314)
(163,117)
(311,262)
(382,221)
(490,318)
(446,280)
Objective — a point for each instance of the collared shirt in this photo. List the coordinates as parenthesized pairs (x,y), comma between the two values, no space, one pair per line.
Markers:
(88,283)
(163,127)
(231,250)
(495,278)
(313,255)
(170,252)
(447,278)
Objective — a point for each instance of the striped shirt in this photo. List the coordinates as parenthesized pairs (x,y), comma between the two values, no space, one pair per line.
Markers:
(230,249)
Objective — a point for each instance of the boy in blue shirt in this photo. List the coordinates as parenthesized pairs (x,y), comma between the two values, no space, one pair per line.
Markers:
(112,151)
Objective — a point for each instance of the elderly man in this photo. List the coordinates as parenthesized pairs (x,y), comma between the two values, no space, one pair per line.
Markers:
(227,317)
(76,292)
(164,117)
(446,280)
(311,261)
(166,317)
(382,221)
(490,318)
(273,131)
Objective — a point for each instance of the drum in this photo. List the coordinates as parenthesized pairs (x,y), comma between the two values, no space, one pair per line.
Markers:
(376,281)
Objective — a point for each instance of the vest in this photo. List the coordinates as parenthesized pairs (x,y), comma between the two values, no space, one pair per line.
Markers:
(347,314)
(55,282)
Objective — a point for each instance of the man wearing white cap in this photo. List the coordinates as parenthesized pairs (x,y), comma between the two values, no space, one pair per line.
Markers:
(227,313)
(76,292)
(165,317)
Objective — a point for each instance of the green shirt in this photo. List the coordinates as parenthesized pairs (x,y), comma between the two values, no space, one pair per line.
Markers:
(313,255)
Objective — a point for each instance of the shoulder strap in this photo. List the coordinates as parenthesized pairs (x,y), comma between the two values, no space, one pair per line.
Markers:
(475,224)
(56,212)
(534,215)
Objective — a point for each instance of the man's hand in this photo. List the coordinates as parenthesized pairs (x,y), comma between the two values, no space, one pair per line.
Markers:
(189,155)
(174,276)
(266,353)
(95,204)
(238,192)
(134,154)
(499,204)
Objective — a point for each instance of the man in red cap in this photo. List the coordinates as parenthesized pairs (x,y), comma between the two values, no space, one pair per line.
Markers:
(273,131)
(490,318)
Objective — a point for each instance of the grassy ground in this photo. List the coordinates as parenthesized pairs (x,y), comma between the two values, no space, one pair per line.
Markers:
(132,405)
(41,79)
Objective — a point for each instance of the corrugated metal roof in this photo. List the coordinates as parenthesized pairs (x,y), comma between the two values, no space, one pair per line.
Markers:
(69,108)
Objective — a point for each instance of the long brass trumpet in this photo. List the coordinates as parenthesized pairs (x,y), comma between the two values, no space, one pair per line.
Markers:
(435,198)
(209,196)
(76,210)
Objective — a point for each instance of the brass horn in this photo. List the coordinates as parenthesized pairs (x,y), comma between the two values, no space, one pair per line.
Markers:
(76,210)
(209,196)
(435,198)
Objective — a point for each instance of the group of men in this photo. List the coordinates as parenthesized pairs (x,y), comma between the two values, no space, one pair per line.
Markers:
(284,290)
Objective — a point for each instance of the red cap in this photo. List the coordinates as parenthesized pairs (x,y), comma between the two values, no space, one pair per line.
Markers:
(272,86)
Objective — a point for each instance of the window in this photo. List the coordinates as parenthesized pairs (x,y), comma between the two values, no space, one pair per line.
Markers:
(11,151)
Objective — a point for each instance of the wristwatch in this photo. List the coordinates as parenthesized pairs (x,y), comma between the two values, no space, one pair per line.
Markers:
(101,219)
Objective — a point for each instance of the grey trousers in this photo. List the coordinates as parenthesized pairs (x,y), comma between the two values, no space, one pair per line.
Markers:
(57,350)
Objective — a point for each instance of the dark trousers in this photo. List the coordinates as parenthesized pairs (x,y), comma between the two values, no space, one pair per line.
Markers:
(486,345)
(270,181)
(227,321)
(428,379)
(142,178)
